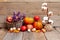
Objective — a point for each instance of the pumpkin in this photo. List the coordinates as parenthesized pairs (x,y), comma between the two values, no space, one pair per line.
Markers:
(38,25)
(28,20)
(11,30)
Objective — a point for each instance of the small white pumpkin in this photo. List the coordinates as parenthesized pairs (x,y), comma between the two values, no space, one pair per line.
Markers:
(50,13)
(29,30)
(14,28)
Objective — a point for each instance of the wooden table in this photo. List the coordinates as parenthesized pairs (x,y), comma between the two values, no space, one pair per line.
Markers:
(53,35)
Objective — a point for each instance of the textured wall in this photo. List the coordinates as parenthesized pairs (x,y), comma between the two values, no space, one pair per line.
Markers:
(30,7)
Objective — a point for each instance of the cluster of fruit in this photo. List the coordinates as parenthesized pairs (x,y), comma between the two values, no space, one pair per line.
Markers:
(30,25)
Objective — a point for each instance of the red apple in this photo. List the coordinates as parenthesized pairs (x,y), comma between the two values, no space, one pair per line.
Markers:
(29,26)
(9,19)
(36,18)
(23,28)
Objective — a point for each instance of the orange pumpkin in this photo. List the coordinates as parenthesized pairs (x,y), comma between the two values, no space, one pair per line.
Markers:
(38,25)
(28,20)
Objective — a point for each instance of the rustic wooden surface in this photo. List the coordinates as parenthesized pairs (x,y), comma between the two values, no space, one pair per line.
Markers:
(52,35)
(2,33)
(30,7)
(24,36)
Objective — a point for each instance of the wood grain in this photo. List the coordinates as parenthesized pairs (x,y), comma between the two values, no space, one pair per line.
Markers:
(58,29)
(33,36)
(2,33)
(13,36)
(7,8)
(53,35)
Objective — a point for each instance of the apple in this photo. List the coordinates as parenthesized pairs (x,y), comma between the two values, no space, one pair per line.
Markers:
(29,26)
(36,18)
(9,19)
(23,28)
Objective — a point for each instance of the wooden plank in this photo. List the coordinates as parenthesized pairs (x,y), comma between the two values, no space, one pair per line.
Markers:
(25,0)
(52,0)
(29,0)
(28,8)
(53,35)
(21,0)
(33,36)
(2,33)
(13,36)
(58,29)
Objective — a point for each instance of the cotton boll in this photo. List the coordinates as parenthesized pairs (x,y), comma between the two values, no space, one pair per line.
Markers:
(44,8)
(51,21)
(50,13)
(44,22)
(45,18)
(44,4)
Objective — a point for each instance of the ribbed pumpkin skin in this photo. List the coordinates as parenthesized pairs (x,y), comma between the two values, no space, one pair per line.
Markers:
(38,25)
(28,20)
